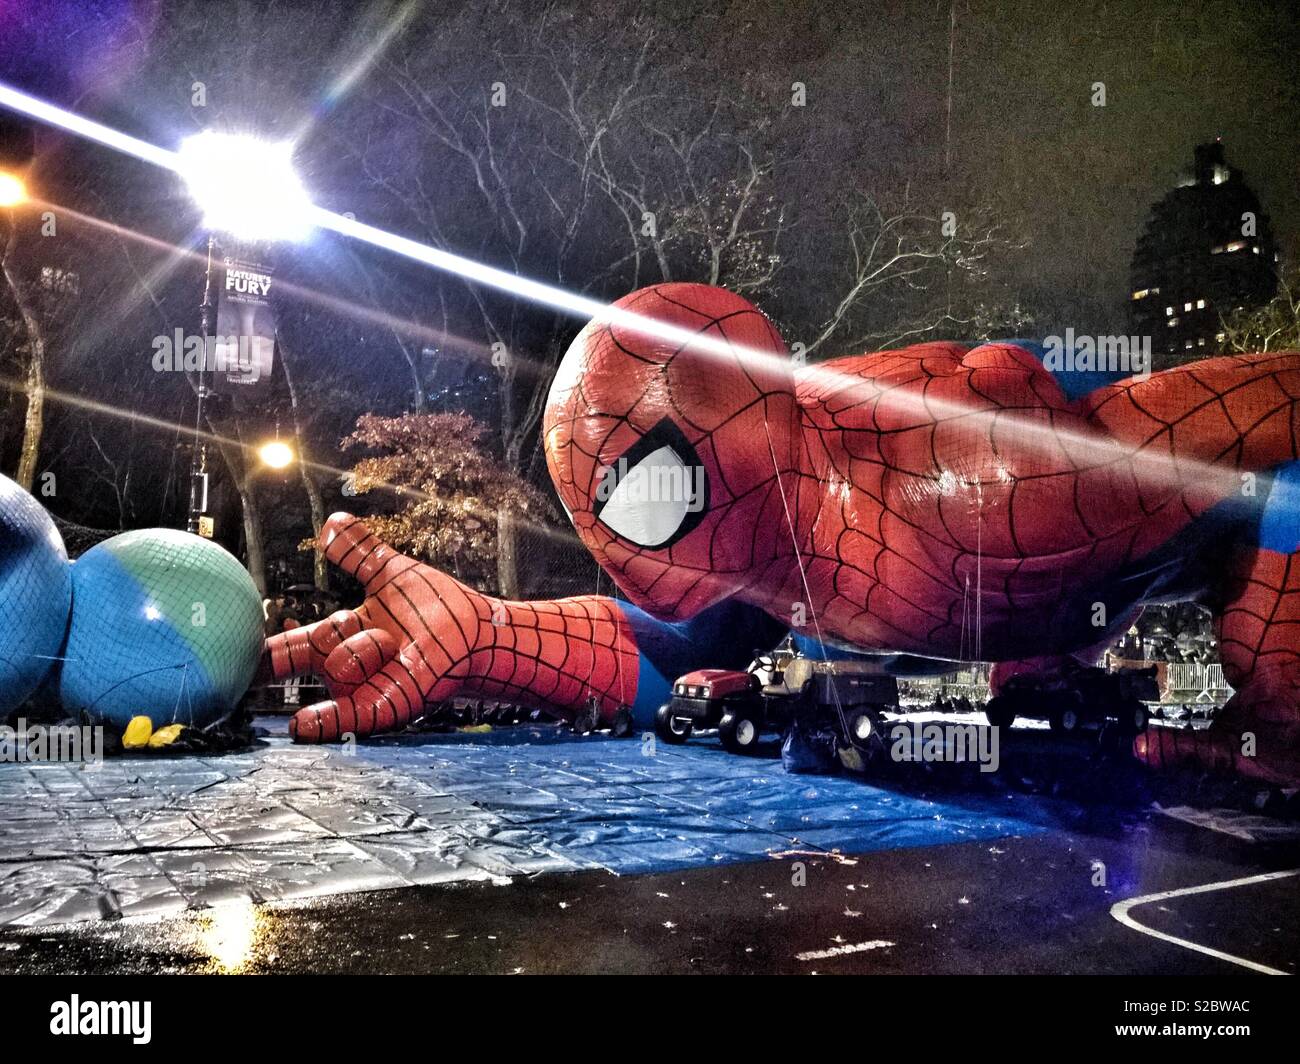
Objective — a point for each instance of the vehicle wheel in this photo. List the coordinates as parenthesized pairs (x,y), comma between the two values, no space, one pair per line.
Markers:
(738,731)
(861,728)
(1000,711)
(1134,717)
(866,733)
(670,728)
(622,725)
(1065,721)
(866,728)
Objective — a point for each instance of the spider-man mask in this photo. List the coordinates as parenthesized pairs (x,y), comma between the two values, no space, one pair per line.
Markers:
(665,450)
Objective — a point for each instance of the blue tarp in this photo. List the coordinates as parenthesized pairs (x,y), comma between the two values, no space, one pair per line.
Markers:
(636,806)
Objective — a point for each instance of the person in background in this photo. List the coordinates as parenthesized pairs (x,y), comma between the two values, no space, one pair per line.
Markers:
(273,614)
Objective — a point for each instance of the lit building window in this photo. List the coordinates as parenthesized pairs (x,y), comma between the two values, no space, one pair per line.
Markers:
(1220,174)
(1187,306)
(1187,346)
(1220,337)
(1169,311)
(1200,304)
(1172,322)
(1200,342)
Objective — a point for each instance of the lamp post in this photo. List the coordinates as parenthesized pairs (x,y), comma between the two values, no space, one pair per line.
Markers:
(199,453)
(246,188)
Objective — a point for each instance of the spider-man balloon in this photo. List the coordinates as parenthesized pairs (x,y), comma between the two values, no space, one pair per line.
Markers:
(943,501)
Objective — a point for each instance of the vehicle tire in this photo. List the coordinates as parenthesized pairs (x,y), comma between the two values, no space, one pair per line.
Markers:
(622,725)
(669,728)
(1000,711)
(1066,721)
(1134,717)
(739,731)
(866,733)
(866,728)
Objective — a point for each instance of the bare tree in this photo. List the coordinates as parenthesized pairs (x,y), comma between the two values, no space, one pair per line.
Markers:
(899,267)
(1275,326)
(34,377)
(306,469)
(578,154)
(116,474)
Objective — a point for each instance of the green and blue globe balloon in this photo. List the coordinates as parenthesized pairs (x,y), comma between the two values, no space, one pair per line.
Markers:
(155,623)
(165,625)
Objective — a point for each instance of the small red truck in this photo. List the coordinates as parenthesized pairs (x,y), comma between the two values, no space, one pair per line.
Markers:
(743,708)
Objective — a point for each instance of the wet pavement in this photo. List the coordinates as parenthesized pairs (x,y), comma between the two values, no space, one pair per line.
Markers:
(1026,905)
(534,851)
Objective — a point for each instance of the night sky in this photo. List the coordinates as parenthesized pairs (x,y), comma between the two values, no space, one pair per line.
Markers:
(1023,128)
(1023,124)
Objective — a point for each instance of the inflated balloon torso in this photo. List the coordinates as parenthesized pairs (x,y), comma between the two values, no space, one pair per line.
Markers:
(944,501)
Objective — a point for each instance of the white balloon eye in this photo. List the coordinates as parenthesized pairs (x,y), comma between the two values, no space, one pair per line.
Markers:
(656,492)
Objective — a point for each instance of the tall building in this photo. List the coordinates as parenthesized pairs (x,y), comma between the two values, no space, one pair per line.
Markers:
(1207,250)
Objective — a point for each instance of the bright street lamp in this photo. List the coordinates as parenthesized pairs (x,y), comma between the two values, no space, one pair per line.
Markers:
(245,187)
(12,190)
(276,454)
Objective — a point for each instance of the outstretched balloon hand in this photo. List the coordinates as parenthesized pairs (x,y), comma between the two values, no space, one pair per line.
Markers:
(421,637)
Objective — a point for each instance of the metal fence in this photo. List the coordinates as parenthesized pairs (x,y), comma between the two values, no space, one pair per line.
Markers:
(1196,682)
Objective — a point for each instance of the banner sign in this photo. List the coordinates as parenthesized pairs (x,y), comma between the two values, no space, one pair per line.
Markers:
(245,336)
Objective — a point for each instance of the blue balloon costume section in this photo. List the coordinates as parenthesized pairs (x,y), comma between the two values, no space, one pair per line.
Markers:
(35,595)
(1279,526)
(154,623)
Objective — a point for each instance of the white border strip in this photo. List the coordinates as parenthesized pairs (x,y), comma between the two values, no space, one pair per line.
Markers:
(1120,910)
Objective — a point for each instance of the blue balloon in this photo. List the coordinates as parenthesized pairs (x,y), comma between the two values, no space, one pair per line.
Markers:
(35,594)
(164,625)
